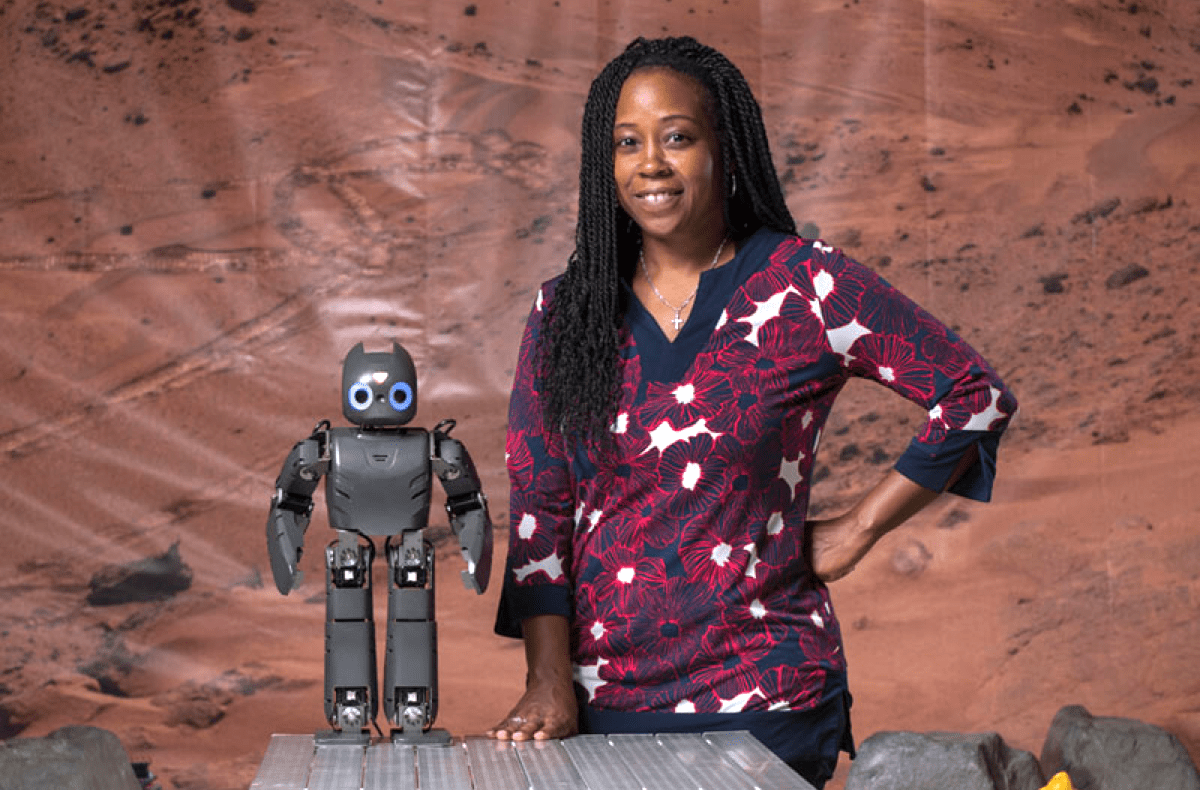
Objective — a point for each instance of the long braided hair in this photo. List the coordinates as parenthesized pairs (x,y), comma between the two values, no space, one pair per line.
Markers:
(578,367)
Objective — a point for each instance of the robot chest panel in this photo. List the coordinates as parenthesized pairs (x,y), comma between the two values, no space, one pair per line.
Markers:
(378,484)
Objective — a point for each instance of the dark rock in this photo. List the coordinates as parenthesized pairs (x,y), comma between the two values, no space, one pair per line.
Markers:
(1109,753)
(1145,85)
(12,721)
(1098,211)
(942,761)
(110,665)
(243,6)
(149,579)
(954,518)
(1126,275)
(1146,205)
(71,758)
(1053,283)
(82,56)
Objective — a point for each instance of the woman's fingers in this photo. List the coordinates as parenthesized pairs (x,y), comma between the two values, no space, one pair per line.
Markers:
(538,716)
(520,728)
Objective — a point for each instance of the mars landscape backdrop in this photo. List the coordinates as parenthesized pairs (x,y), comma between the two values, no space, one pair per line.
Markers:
(205,203)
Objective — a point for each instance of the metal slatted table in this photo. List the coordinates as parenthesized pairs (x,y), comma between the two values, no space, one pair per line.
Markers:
(710,761)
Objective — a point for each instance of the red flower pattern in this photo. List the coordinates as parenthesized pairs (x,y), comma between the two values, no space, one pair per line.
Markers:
(687,570)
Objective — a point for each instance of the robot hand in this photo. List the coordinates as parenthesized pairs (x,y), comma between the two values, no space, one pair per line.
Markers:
(471,524)
(465,503)
(285,544)
(292,506)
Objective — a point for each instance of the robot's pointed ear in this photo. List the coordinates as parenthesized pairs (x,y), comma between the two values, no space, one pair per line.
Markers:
(396,347)
(357,351)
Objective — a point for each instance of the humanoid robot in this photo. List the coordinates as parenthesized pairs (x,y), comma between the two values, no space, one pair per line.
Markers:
(377,483)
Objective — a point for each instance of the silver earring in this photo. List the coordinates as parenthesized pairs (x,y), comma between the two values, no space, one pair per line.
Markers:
(733,186)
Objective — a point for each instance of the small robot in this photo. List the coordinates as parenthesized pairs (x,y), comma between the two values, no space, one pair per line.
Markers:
(377,483)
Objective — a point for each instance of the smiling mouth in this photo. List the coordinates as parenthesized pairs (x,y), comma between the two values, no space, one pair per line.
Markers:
(656,198)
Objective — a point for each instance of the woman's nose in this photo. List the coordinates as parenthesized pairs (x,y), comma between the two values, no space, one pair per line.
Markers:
(653,162)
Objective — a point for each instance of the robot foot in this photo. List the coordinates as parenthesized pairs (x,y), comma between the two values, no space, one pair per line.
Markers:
(342,738)
(434,737)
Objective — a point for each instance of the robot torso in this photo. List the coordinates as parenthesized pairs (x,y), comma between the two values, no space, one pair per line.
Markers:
(378,481)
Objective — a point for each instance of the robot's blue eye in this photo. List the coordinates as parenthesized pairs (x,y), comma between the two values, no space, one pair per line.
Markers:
(401,396)
(359,396)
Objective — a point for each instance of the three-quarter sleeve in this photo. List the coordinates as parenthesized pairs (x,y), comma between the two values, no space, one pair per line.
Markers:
(541,501)
(881,334)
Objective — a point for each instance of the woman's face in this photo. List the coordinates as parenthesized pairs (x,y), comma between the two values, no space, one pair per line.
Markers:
(666,157)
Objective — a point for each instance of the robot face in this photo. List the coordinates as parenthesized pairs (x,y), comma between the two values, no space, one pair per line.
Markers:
(379,389)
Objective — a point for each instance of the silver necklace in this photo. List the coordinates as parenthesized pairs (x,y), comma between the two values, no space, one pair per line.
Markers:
(677,321)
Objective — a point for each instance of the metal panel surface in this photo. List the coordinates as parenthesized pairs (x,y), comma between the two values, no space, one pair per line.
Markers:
(652,763)
(713,761)
(598,764)
(286,763)
(494,765)
(390,767)
(337,767)
(703,761)
(748,753)
(548,766)
(443,767)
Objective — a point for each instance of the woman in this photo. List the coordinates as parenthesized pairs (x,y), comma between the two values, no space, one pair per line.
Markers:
(667,405)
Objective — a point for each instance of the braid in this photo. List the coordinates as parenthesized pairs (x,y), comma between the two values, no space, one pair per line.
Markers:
(578,365)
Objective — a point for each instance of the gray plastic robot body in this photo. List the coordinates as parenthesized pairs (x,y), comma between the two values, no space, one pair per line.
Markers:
(378,484)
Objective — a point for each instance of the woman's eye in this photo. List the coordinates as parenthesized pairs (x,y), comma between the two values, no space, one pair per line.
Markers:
(677,138)
(624,142)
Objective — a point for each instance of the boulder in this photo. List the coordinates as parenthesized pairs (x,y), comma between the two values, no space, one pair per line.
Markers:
(71,758)
(942,761)
(1109,753)
(149,579)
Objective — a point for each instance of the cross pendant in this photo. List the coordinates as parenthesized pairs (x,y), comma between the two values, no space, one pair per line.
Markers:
(677,321)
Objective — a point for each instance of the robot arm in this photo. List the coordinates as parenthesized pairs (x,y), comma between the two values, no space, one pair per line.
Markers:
(465,504)
(292,505)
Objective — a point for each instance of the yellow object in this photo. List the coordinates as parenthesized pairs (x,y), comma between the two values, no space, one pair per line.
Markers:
(1060,782)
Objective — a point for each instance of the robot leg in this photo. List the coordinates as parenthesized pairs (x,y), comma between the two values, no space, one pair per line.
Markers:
(410,671)
(351,694)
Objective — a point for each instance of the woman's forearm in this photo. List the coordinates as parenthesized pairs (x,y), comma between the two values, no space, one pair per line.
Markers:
(896,498)
(838,544)
(547,649)
(548,708)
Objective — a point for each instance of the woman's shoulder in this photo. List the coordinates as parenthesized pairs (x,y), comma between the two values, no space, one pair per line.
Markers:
(781,246)
(545,292)
(803,254)
(773,249)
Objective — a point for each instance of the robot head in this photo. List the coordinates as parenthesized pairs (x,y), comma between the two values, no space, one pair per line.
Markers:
(379,389)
